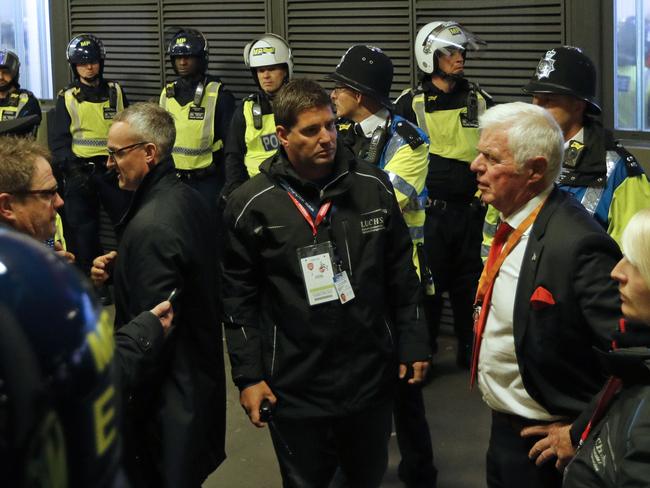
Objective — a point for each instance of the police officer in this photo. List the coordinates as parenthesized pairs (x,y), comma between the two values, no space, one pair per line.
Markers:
(59,401)
(14,101)
(84,112)
(446,106)
(369,128)
(202,109)
(252,137)
(597,169)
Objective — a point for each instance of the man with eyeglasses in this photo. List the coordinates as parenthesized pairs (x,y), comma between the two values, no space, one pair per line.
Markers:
(28,191)
(175,416)
(446,106)
(84,112)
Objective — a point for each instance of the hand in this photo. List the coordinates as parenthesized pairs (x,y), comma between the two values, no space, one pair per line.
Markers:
(251,399)
(165,312)
(555,443)
(419,372)
(68,256)
(102,265)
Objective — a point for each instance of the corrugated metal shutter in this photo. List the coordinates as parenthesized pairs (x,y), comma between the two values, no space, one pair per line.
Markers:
(228,26)
(130,32)
(321,32)
(518,32)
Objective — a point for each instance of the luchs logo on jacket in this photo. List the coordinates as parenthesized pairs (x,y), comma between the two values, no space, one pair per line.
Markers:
(374,224)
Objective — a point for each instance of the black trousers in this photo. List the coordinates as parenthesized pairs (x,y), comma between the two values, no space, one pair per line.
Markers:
(413,438)
(508,465)
(452,243)
(357,444)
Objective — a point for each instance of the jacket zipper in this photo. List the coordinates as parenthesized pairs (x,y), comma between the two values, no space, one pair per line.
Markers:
(275,331)
(347,247)
(390,334)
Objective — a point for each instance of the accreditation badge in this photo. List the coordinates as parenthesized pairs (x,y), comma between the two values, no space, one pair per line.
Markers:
(318,272)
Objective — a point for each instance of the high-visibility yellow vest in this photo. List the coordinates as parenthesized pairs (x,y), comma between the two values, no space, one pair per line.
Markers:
(16,103)
(194,128)
(447,136)
(260,143)
(90,121)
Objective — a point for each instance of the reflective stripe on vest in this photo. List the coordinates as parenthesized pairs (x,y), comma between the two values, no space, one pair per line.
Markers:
(591,198)
(260,143)
(194,147)
(90,121)
(449,139)
(10,112)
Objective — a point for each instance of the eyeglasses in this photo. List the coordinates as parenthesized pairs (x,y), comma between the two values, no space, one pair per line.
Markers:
(113,155)
(48,194)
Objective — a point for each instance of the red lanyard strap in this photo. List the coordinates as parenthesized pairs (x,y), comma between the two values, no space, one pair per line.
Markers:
(313,223)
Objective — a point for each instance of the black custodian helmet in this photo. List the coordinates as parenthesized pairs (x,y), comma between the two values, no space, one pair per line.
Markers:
(189,42)
(368,70)
(59,406)
(566,70)
(9,61)
(84,49)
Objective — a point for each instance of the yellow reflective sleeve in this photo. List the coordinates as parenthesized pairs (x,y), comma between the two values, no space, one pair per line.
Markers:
(632,195)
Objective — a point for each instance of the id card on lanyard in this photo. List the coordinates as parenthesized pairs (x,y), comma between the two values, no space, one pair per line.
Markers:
(322,282)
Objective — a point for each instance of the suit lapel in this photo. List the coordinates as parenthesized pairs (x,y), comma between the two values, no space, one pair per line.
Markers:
(529,266)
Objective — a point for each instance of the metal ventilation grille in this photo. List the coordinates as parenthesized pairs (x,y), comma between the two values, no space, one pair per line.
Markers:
(321,32)
(130,33)
(518,32)
(228,26)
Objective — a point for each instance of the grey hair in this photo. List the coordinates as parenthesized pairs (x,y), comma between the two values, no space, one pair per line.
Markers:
(151,123)
(532,132)
(636,243)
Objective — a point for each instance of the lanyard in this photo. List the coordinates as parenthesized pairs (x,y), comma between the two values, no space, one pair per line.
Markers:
(308,211)
(489,275)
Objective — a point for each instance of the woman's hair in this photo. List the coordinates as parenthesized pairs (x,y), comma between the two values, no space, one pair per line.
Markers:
(636,243)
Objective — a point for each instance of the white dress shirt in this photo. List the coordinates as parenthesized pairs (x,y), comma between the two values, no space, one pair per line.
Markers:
(498,372)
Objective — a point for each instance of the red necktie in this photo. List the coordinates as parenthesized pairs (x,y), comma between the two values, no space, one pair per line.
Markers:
(500,238)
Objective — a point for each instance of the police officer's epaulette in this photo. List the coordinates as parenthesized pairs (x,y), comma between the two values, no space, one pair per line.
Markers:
(343,124)
(170,89)
(65,89)
(631,164)
(13,100)
(409,133)
(477,88)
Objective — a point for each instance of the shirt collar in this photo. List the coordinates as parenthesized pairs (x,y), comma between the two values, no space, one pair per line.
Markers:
(520,215)
(579,137)
(370,123)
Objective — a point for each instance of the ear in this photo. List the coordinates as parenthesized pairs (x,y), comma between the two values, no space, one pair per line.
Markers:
(283,134)
(150,154)
(7,212)
(537,167)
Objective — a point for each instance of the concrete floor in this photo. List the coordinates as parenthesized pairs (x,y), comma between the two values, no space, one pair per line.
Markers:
(458,420)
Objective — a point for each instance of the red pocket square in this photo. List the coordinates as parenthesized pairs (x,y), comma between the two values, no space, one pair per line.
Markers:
(541,298)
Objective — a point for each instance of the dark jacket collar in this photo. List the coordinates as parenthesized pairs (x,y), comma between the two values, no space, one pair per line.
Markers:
(590,163)
(631,364)
(278,167)
(160,174)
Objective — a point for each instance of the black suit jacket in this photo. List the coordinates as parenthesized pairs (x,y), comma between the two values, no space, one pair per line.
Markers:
(571,256)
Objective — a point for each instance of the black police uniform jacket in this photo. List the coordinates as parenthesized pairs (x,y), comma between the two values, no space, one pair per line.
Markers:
(175,389)
(617,451)
(330,359)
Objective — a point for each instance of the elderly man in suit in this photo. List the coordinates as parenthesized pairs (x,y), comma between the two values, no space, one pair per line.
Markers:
(544,299)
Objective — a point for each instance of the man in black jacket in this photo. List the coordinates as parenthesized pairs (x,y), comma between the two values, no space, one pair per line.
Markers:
(175,416)
(545,300)
(321,298)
